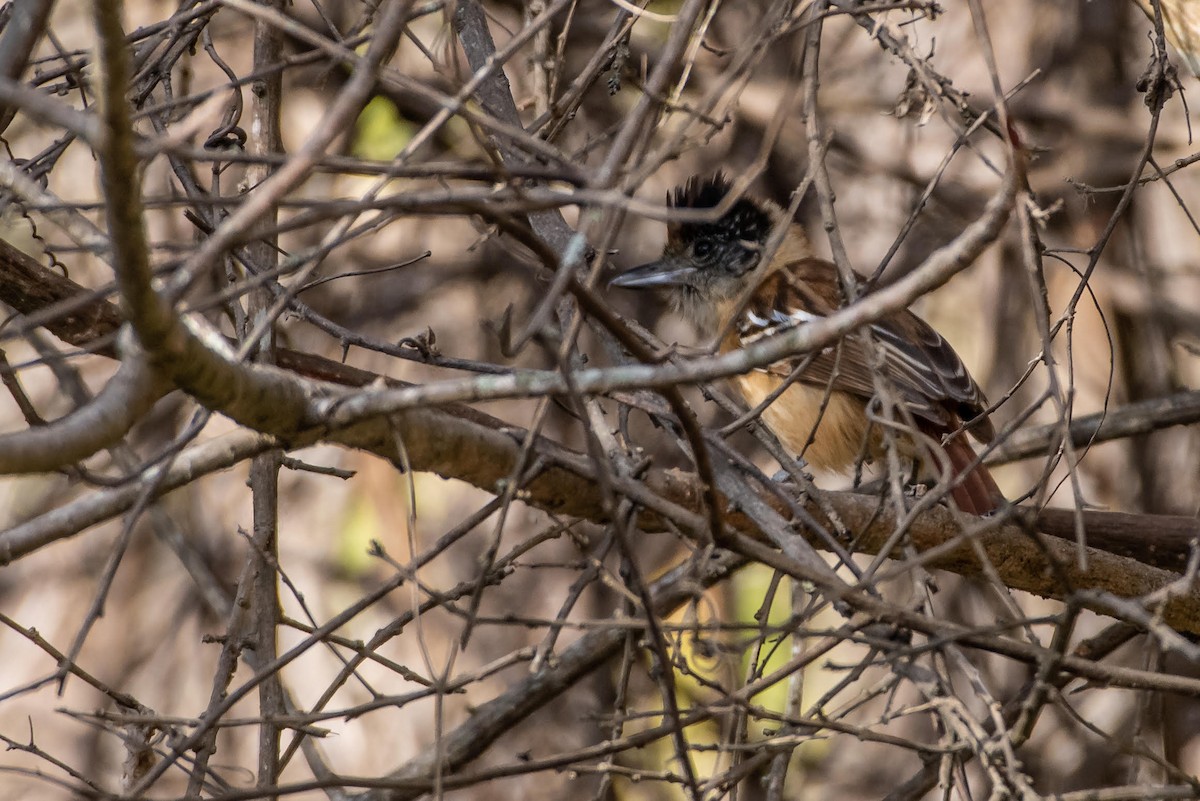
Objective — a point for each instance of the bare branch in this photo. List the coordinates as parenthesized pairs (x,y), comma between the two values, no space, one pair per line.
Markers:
(1132,419)
(125,400)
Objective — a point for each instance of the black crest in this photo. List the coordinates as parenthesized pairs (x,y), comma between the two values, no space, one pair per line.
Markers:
(701,192)
(745,220)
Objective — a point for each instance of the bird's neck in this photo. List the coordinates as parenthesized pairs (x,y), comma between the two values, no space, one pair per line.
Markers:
(795,246)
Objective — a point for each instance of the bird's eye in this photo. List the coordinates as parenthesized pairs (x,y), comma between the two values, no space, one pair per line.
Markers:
(702,249)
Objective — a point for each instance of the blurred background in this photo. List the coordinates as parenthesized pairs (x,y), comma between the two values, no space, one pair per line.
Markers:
(1121,275)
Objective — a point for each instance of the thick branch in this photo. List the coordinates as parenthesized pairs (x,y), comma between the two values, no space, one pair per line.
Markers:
(460,442)
(21,34)
(482,451)
(494,94)
(1142,417)
(69,311)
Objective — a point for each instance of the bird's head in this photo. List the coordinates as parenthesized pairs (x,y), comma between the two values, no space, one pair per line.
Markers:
(709,260)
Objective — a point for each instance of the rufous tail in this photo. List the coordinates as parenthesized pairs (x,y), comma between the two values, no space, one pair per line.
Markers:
(975,490)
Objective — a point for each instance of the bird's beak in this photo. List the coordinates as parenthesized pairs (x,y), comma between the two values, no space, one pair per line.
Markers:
(664,272)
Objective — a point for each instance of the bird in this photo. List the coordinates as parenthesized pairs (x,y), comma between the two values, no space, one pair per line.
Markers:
(713,274)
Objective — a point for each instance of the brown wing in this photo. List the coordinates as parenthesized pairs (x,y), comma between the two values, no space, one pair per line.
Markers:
(920,365)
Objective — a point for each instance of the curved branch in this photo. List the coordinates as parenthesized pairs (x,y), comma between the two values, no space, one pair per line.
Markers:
(73,518)
(103,422)
(195,358)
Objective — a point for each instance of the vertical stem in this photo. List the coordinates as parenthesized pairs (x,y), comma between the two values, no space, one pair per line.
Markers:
(264,483)
(264,139)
